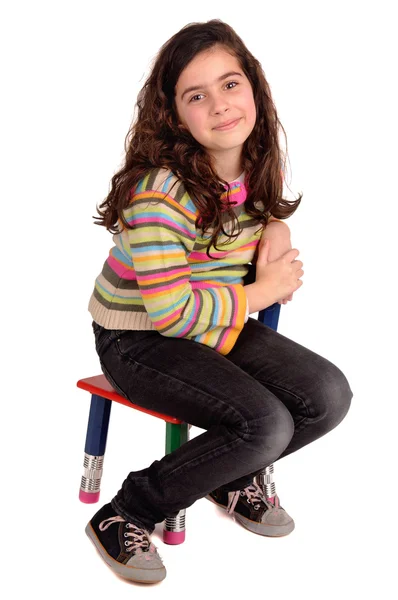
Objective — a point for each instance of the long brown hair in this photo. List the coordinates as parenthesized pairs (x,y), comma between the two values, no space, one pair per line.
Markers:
(156,139)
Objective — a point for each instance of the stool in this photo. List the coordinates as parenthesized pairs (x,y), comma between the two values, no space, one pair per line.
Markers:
(177,433)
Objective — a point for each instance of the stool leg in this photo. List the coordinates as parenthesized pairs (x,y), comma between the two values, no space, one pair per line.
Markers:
(265,480)
(94,450)
(270,317)
(174,527)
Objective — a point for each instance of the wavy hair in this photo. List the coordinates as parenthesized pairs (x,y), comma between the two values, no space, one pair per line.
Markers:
(156,139)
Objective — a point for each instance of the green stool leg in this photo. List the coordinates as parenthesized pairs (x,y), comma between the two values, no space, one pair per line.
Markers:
(176,436)
(174,527)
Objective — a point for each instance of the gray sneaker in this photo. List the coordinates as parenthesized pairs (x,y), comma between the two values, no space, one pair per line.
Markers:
(252,510)
(126,548)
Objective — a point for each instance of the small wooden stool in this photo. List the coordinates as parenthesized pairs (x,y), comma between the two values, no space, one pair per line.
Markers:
(177,433)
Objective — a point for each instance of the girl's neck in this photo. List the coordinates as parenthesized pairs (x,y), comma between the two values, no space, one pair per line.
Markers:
(240,178)
(229,165)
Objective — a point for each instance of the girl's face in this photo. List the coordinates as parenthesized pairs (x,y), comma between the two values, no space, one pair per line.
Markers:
(215,101)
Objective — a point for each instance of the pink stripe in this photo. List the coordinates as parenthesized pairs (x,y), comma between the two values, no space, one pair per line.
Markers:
(151,276)
(204,285)
(202,257)
(238,196)
(168,318)
(161,288)
(195,285)
(121,269)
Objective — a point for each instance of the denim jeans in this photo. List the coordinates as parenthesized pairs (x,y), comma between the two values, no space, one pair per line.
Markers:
(267,398)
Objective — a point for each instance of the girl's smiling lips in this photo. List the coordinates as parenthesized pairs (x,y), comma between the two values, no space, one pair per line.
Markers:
(227,125)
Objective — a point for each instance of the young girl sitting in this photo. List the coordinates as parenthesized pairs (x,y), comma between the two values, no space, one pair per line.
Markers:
(198,199)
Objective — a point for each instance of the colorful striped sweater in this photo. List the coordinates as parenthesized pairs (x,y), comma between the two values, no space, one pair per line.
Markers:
(158,276)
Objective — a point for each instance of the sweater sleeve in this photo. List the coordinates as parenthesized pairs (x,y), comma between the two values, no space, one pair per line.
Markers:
(163,236)
(247,310)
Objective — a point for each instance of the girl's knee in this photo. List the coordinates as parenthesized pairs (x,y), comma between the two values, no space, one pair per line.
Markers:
(334,397)
(271,434)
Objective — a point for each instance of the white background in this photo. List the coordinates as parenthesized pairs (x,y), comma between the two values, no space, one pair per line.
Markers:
(71,72)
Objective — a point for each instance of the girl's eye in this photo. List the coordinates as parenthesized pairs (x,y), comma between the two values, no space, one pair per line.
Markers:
(233,83)
(197,96)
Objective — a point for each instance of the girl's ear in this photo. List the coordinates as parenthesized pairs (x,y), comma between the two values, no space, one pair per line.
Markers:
(172,118)
(169,118)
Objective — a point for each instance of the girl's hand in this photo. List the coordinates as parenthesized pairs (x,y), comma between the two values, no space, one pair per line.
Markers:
(277,279)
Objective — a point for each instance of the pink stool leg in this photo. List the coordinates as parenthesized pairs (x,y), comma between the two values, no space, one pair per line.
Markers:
(174,529)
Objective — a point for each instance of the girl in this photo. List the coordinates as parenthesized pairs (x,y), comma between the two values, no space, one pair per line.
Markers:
(200,184)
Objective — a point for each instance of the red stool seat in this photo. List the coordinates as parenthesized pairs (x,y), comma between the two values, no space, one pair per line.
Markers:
(100,386)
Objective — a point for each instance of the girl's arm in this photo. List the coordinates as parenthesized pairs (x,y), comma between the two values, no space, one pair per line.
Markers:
(278,233)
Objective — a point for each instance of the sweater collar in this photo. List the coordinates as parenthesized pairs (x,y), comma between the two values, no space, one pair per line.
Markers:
(238,192)
(240,179)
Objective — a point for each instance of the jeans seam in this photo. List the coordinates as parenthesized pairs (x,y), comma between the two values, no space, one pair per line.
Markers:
(110,379)
(199,460)
(278,387)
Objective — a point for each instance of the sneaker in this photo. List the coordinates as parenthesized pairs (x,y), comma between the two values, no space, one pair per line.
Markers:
(126,548)
(252,510)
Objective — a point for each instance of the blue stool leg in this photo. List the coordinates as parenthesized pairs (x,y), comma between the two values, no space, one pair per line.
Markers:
(270,316)
(174,527)
(94,450)
(265,479)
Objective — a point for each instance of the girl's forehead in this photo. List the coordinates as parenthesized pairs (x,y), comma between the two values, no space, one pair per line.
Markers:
(207,65)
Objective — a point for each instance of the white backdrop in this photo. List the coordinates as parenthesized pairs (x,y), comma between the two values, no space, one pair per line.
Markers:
(71,73)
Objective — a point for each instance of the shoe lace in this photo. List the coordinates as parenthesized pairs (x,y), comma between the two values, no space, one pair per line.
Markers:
(140,541)
(255,496)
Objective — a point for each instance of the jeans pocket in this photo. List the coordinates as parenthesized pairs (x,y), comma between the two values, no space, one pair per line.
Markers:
(104,338)
(132,343)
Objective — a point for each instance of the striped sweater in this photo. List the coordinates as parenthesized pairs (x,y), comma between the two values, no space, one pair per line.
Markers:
(158,276)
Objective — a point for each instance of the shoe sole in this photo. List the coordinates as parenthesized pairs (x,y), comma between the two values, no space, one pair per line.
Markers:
(260,528)
(128,572)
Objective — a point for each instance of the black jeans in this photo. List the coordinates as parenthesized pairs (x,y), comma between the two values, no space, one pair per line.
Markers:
(266,399)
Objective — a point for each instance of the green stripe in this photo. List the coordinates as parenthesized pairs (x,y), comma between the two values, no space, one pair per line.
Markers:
(116,281)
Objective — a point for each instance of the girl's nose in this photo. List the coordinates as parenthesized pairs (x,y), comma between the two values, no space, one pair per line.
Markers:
(219,105)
